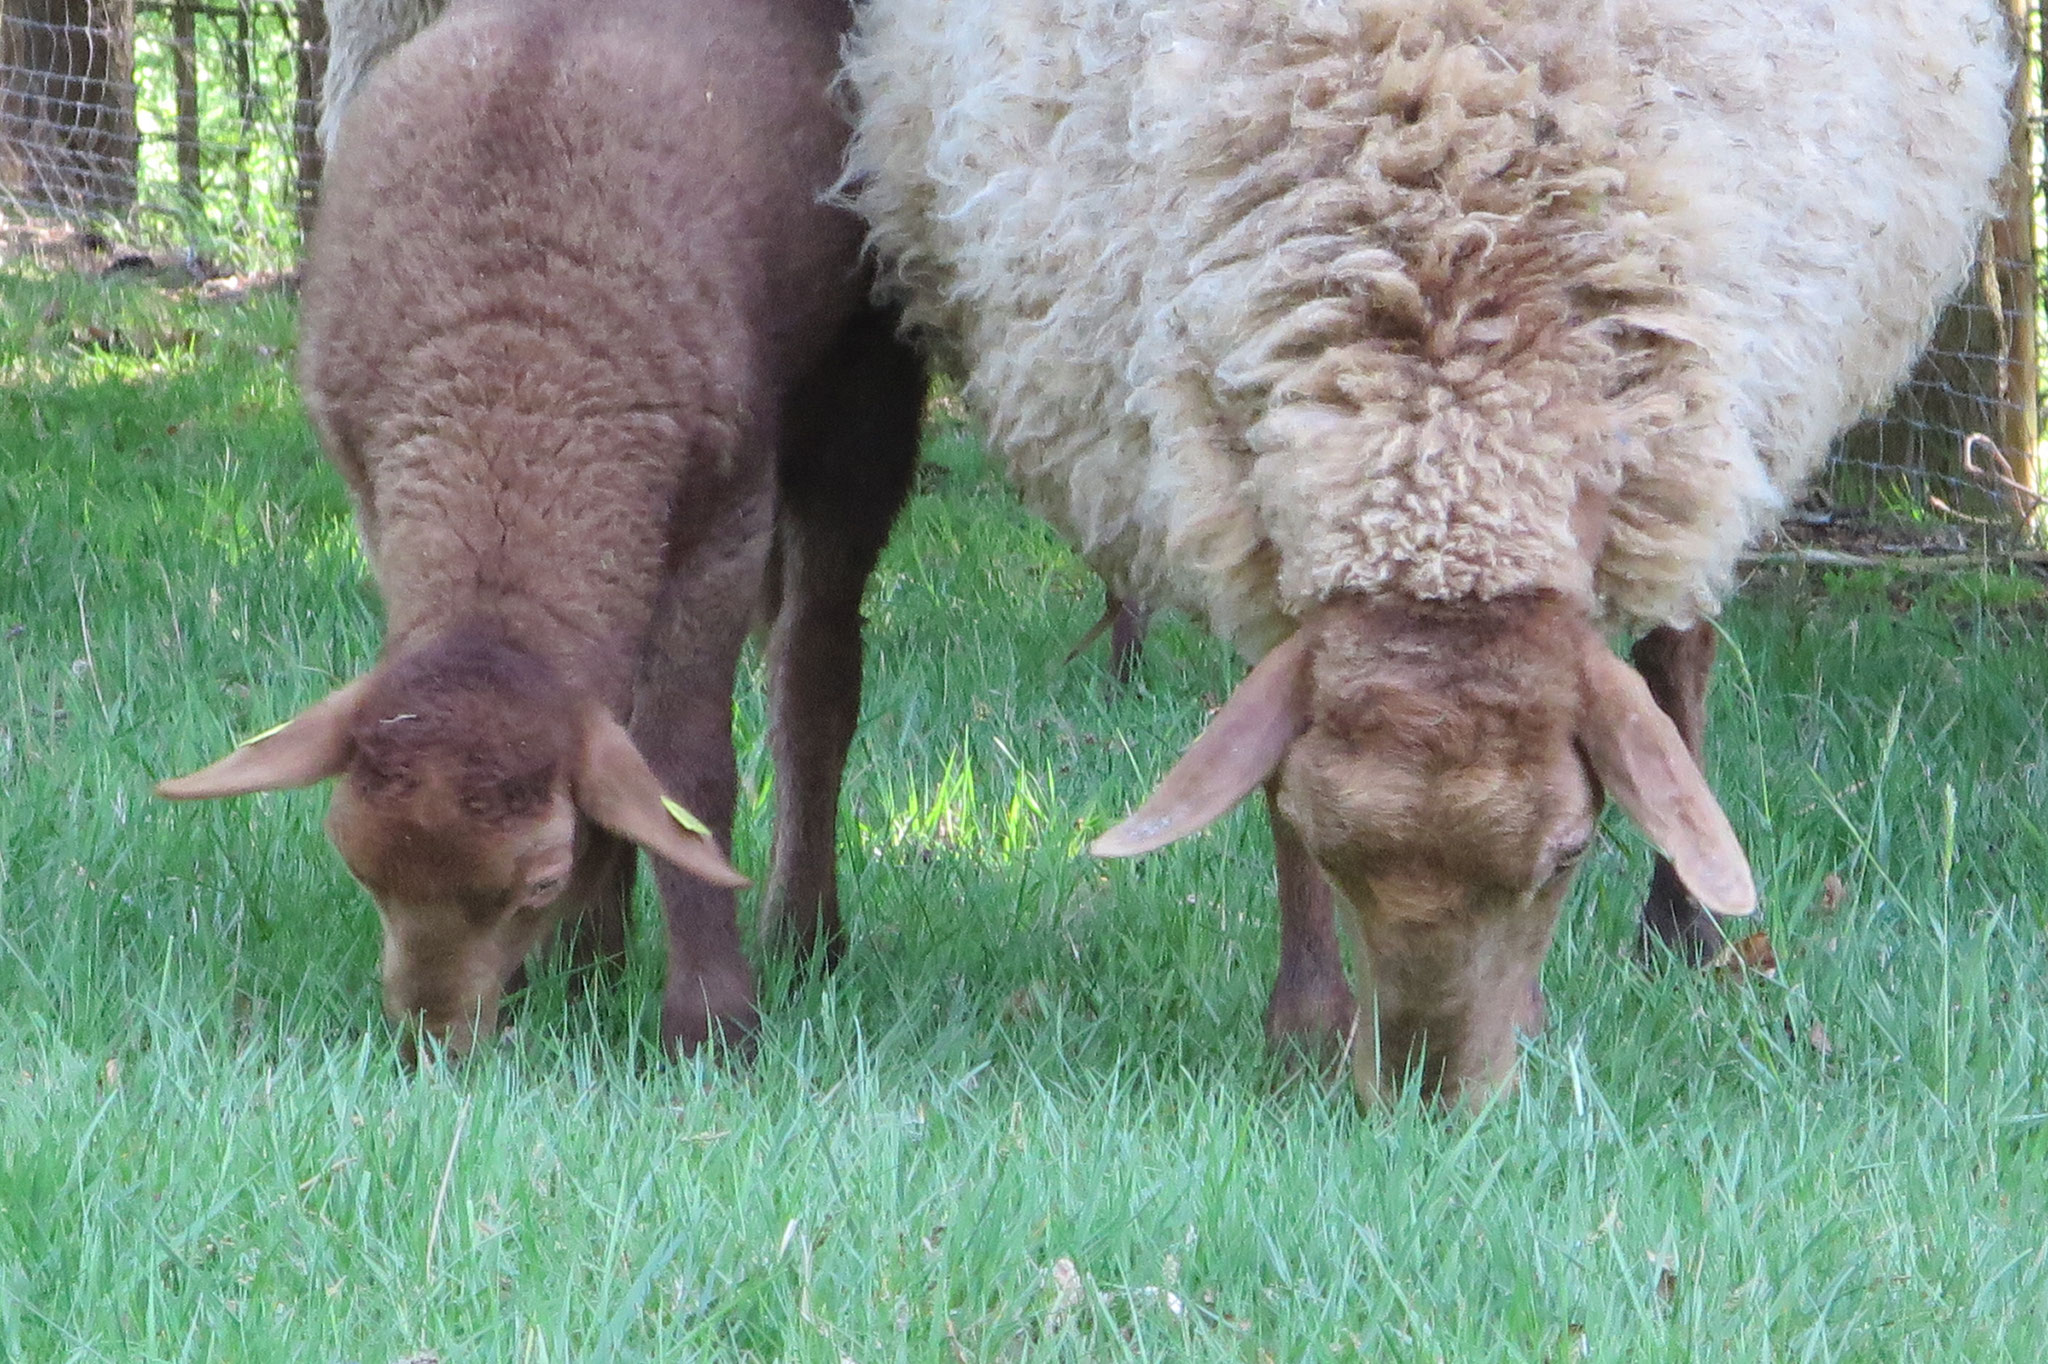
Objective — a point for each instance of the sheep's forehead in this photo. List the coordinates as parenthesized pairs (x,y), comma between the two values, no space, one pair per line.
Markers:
(1444,776)
(1429,738)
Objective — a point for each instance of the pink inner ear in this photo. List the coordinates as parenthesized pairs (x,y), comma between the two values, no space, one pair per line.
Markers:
(311,747)
(1636,752)
(1239,750)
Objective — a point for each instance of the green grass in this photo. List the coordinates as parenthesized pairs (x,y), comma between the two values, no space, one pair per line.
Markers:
(1031,1118)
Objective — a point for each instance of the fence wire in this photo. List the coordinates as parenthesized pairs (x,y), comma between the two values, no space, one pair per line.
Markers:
(171,124)
(188,129)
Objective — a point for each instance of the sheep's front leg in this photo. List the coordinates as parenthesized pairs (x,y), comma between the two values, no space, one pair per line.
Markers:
(1129,622)
(849,449)
(1311,1006)
(1677,664)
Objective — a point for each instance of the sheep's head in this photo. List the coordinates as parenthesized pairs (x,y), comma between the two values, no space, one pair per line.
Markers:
(471,784)
(1446,764)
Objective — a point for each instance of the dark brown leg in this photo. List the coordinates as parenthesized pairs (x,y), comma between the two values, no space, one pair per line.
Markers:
(682,724)
(1311,1004)
(1128,623)
(848,455)
(1677,664)
(710,990)
(594,918)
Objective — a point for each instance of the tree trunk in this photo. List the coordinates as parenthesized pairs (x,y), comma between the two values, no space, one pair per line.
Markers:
(312,70)
(245,107)
(185,76)
(67,104)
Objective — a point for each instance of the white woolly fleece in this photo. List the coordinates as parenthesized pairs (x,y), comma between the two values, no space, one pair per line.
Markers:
(361,33)
(1269,300)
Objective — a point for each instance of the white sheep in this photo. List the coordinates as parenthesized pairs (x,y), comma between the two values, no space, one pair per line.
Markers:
(1409,344)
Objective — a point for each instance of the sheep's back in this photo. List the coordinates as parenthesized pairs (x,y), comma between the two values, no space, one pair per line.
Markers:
(1268,302)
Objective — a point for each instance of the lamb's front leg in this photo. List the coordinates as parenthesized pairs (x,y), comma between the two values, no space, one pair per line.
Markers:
(710,989)
(595,909)
(1677,665)
(682,724)
(1311,1005)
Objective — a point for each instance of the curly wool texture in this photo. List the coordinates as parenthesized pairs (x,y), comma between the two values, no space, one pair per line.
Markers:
(1266,302)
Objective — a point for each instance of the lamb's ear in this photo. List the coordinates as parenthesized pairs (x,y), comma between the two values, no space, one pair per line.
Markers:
(1237,752)
(311,746)
(1639,757)
(615,787)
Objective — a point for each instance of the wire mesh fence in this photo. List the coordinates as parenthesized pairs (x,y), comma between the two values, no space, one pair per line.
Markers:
(189,128)
(171,123)
(1951,465)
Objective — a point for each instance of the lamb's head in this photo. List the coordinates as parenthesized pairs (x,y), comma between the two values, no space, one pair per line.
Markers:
(1446,764)
(471,784)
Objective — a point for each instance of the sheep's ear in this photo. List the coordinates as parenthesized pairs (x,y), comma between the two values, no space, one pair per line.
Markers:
(311,746)
(1235,754)
(1639,757)
(615,787)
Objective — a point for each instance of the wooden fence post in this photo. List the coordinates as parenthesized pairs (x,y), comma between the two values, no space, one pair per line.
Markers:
(185,77)
(310,53)
(2013,255)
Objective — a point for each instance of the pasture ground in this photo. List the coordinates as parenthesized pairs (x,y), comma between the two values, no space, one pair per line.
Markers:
(1031,1119)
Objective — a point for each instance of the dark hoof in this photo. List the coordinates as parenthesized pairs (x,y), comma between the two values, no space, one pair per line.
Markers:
(1311,1027)
(687,1027)
(812,942)
(1674,922)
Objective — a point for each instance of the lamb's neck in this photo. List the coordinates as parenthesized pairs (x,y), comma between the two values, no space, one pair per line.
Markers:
(556,532)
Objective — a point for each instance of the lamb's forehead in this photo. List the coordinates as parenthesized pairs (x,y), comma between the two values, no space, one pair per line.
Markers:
(432,842)
(489,727)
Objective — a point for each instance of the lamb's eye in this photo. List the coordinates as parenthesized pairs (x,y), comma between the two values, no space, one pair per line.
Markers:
(1566,851)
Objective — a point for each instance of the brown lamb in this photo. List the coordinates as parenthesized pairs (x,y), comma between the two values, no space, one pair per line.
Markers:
(592,356)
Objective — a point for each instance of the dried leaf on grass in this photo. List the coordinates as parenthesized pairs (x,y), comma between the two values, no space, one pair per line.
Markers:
(1816,1036)
(1067,1294)
(1666,1265)
(1747,956)
(1754,955)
